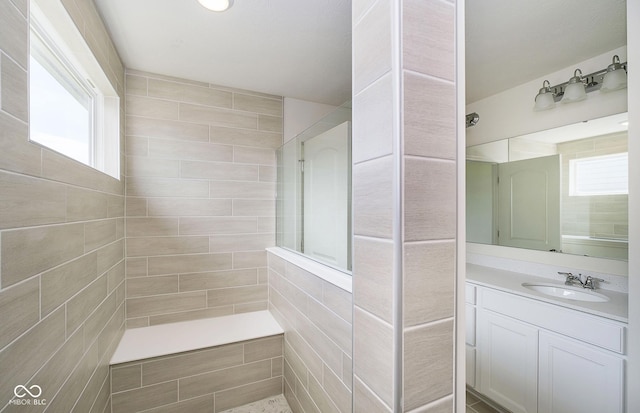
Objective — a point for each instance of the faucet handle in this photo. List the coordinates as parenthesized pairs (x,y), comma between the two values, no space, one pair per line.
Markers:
(590,282)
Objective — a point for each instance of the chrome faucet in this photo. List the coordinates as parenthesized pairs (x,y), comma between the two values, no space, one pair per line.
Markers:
(590,282)
(571,278)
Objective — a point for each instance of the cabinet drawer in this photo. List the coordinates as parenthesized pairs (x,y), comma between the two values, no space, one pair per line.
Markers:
(591,329)
(470,293)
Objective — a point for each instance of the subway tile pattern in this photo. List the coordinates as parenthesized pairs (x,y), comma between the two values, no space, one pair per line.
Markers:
(62,268)
(200,198)
(404,185)
(317,319)
(206,381)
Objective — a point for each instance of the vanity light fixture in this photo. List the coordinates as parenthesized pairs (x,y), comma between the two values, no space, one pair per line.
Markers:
(614,77)
(216,5)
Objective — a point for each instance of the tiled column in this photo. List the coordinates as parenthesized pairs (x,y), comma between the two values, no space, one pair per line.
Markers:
(404,153)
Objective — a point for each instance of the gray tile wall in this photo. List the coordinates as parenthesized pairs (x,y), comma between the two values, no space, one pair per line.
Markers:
(404,151)
(204,381)
(317,319)
(200,198)
(62,266)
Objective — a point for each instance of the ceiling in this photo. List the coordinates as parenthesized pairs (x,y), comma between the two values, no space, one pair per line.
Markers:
(294,48)
(511,42)
(302,48)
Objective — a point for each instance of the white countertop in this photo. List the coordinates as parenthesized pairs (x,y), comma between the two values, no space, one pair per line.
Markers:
(616,308)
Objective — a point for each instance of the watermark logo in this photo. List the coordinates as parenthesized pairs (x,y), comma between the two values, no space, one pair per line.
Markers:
(28,396)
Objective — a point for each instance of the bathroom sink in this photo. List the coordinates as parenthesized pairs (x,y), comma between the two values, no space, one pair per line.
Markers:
(570,293)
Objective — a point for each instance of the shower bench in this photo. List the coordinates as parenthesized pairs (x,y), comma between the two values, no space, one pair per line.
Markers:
(206,365)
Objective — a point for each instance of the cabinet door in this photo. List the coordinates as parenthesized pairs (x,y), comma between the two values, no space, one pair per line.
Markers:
(507,353)
(576,377)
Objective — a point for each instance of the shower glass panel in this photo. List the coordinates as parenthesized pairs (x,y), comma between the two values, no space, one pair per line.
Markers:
(313,207)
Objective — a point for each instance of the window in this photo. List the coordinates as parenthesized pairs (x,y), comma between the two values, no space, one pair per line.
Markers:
(72,106)
(599,175)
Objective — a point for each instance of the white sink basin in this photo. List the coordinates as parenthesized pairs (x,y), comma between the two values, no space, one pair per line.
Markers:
(570,293)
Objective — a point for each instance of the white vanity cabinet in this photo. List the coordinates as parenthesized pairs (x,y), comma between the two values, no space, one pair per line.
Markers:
(532,356)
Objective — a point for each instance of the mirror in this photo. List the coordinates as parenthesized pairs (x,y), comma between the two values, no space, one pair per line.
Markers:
(563,190)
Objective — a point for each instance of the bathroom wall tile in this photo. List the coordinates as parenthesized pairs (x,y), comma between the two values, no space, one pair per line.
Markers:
(203,404)
(243,190)
(162,187)
(136,146)
(191,364)
(219,171)
(307,403)
(195,151)
(328,351)
(167,78)
(136,267)
(267,174)
(115,276)
(257,104)
(428,37)
(218,117)
(218,279)
(248,393)
(373,276)
(13,94)
(189,93)
(359,8)
(59,367)
(148,246)
(263,349)
(151,108)
(337,329)
(93,387)
(249,259)
(190,315)
(320,397)
(428,360)
(245,137)
(277,366)
(372,45)
(373,120)
(240,242)
(270,123)
(14,33)
(100,233)
(224,379)
(159,128)
(234,295)
(142,167)
(429,117)
(110,255)
(194,263)
(373,340)
(27,252)
(334,389)
(427,216)
(19,155)
(42,342)
(429,279)
(217,225)
(338,300)
(373,198)
(83,204)
(63,282)
(152,227)
(304,280)
(251,207)
(16,208)
(444,405)
(243,154)
(136,85)
(347,371)
(267,224)
(145,398)
(146,286)
(82,304)
(21,5)
(189,207)
(366,401)
(168,303)
(240,308)
(136,207)
(22,302)
(103,401)
(115,206)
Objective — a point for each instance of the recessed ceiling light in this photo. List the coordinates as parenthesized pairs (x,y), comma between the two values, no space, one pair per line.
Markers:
(216,5)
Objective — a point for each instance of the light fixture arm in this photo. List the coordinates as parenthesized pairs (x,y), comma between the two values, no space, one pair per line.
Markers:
(593,81)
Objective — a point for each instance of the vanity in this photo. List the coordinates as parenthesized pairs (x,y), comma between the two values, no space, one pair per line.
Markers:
(532,352)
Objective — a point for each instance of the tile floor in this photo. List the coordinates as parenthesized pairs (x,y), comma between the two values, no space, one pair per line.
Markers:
(475,405)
